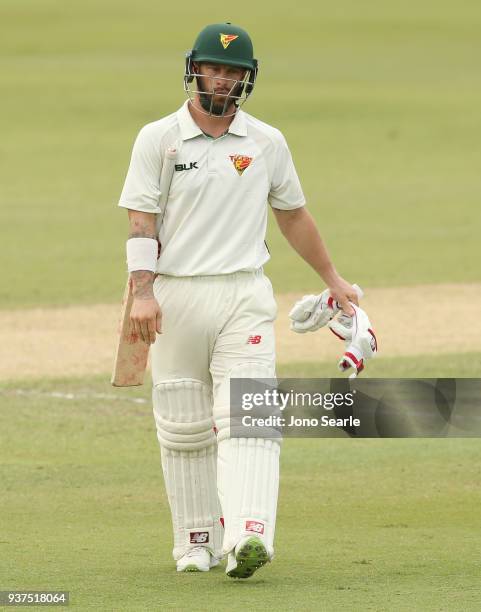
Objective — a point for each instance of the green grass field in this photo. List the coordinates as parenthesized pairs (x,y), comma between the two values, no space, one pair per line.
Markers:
(379,102)
(362,525)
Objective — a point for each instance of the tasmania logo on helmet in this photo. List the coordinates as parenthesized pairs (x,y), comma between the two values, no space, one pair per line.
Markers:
(226,39)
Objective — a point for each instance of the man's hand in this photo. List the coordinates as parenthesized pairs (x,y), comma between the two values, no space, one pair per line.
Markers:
(314,311)
(145,316)
(146,319)
(343,292)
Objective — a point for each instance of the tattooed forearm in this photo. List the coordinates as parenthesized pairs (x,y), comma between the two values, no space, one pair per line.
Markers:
(142,225)
(142,281)
(142,234)
(141,229)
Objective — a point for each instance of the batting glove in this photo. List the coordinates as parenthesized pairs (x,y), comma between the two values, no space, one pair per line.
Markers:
(359,338)
(315,311)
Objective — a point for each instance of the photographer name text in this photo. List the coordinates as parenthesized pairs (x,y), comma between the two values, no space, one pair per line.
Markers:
(278,421)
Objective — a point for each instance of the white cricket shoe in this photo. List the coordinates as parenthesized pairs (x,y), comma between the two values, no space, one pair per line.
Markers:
(249,555)
(197,559)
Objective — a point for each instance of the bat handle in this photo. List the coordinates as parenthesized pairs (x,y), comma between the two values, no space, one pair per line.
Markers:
(358,290)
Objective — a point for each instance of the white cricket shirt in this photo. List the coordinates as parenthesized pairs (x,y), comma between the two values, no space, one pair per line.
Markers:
(216,215)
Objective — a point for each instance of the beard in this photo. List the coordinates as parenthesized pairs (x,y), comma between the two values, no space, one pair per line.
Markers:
(218,108)
(214,108)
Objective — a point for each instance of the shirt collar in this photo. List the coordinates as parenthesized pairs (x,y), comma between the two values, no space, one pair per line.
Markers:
(190,129)
(238,125)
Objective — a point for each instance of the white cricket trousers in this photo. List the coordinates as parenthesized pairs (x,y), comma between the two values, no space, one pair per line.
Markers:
(214,328)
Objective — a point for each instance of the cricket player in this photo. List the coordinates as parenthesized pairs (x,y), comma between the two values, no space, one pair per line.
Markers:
(205,304)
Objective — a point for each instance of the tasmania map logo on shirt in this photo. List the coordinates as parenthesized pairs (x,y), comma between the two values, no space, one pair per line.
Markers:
(226,39)
(241,162)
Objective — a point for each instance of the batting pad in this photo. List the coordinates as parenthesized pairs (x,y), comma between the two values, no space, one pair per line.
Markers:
(248,471)
(183,416)
(248,369)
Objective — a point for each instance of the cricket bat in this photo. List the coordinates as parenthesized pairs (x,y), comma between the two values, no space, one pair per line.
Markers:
(132,352)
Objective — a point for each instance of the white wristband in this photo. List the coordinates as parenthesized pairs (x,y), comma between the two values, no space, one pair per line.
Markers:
(141,254)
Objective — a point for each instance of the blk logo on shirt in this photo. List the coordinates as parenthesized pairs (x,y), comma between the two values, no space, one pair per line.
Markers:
(182,167)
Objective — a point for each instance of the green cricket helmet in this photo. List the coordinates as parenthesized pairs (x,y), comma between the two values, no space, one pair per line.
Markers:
(223,43)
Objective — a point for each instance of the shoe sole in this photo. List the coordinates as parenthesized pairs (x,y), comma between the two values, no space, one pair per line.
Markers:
(250,557)
(192,568)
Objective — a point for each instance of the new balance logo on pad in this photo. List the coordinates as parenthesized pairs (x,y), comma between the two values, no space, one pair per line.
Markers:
(199,537)
(255,526)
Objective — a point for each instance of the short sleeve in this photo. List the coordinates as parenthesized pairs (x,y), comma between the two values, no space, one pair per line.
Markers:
(285,191)
(142,185)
